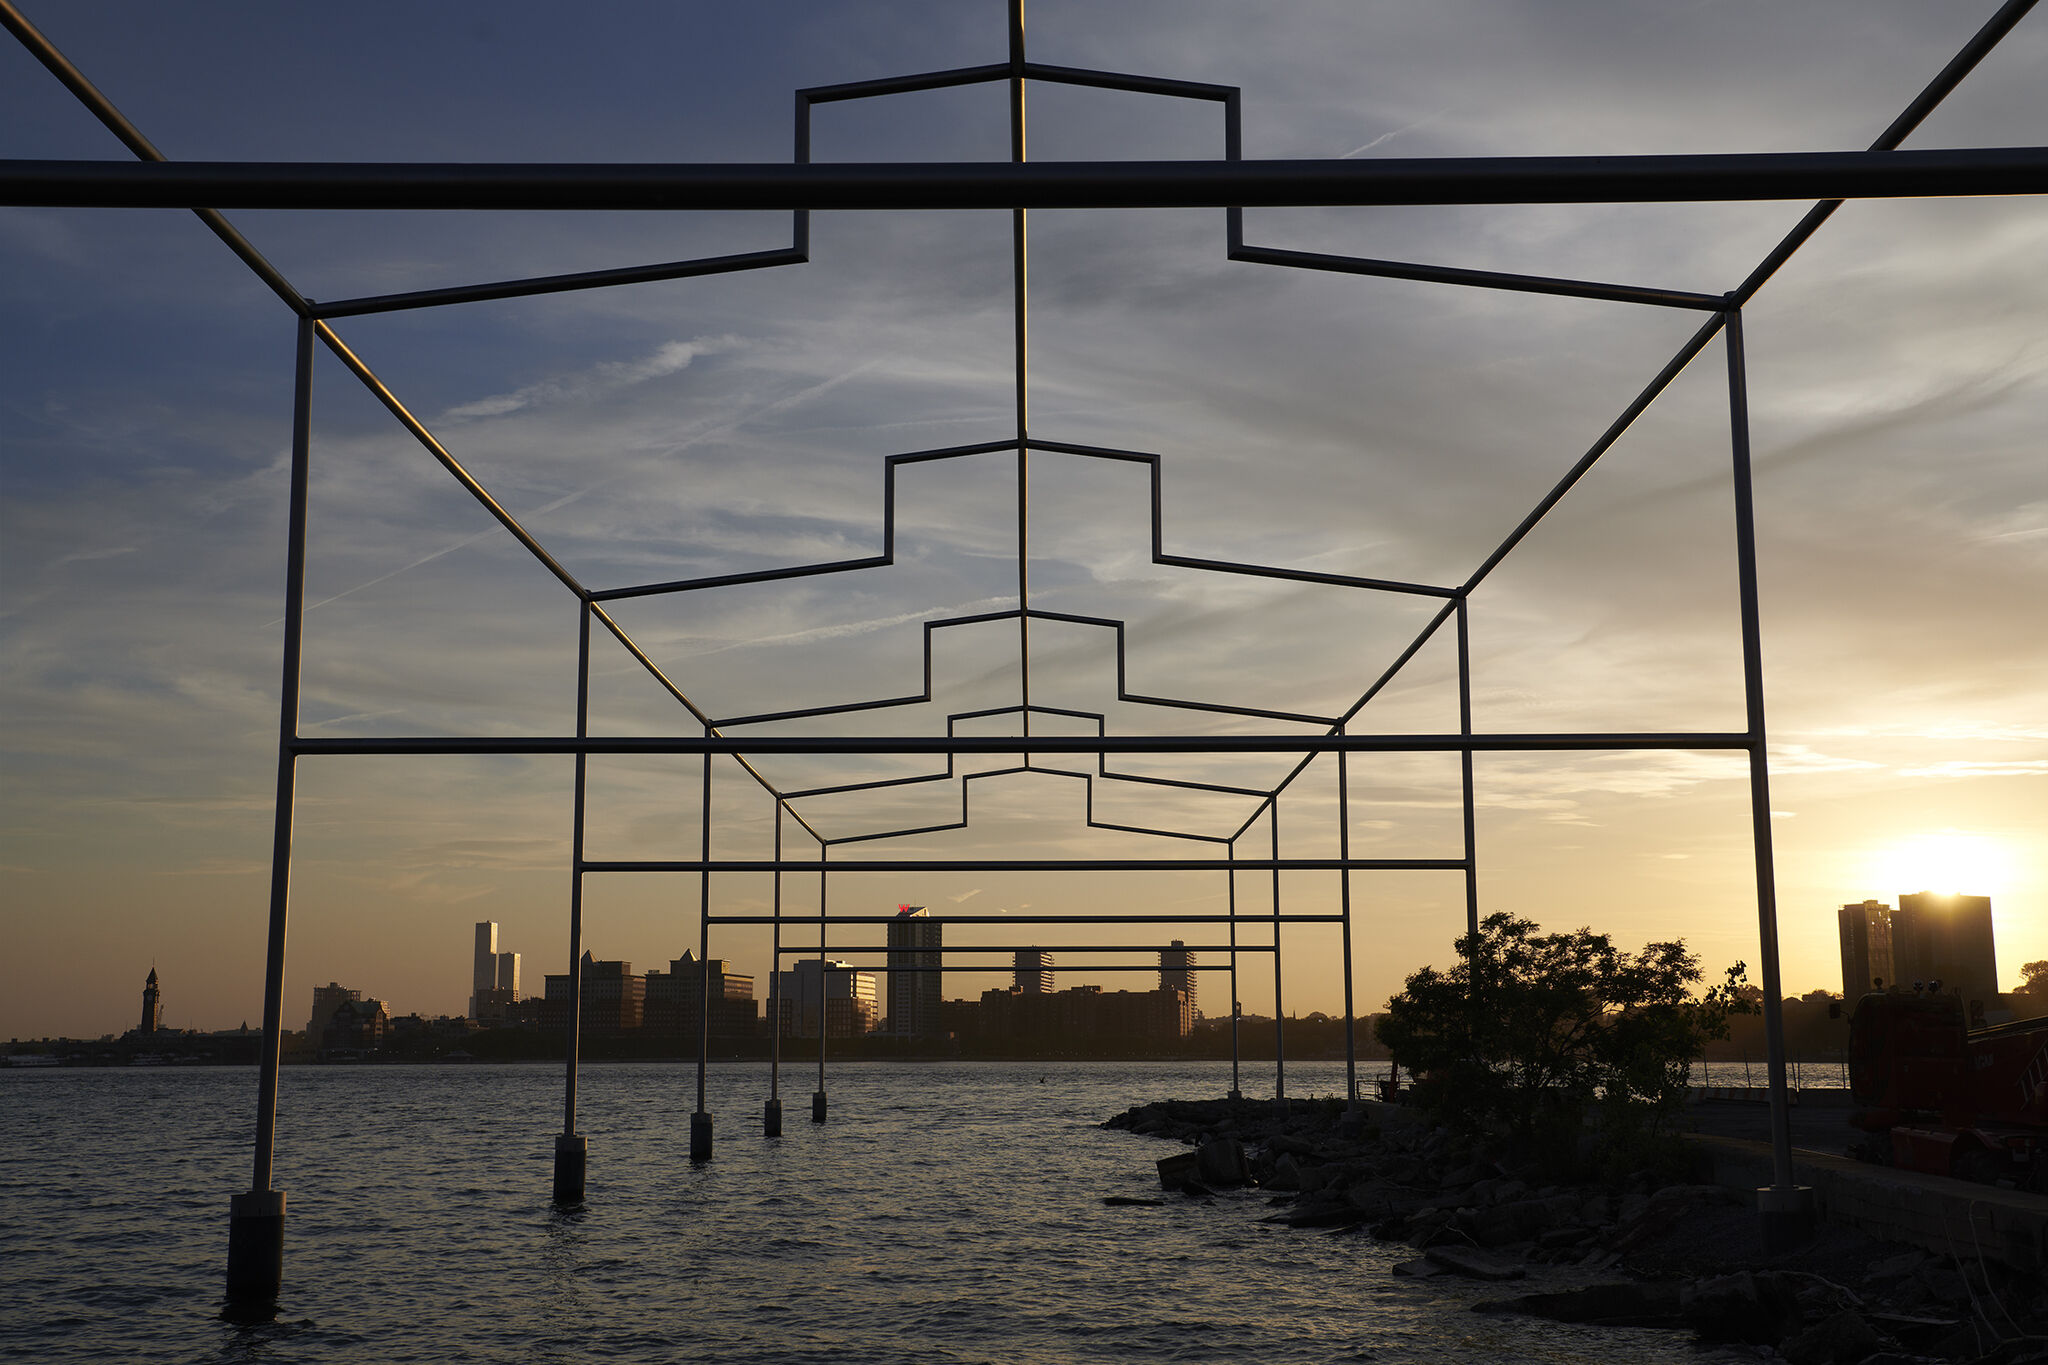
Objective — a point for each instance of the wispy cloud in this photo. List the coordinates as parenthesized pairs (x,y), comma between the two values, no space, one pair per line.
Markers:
(597,381)
(1390,135)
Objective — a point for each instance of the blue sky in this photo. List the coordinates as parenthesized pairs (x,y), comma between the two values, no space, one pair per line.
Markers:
(1899,387)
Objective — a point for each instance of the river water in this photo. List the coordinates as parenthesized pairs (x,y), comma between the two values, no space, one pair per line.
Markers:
(947,1212)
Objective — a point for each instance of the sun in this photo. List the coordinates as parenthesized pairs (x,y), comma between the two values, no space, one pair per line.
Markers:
(1951,861)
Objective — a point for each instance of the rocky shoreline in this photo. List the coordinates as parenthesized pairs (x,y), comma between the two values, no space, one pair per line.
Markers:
(1683,1256)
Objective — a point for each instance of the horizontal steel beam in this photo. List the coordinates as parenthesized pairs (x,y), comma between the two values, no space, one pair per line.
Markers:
(1014,185)
(1091,968)
(1029,865)
(800,950)
(1248,920)
(767,745)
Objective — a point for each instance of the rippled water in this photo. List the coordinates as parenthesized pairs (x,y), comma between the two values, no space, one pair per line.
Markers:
(946,1213)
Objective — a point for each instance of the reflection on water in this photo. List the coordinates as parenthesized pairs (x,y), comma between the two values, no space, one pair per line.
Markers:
(947,1212)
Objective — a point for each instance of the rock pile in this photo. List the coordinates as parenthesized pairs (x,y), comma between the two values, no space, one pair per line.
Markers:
(1681,1256)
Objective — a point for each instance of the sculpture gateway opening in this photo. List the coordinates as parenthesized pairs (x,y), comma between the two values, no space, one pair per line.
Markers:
(1038,739)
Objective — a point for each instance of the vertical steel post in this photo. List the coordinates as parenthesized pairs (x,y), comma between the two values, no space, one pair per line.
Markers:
(256,1219)
(1786,1208)
(700,1121)
(818,1096)
(1020,341)
(1344,901)
(1465,764)
(1279,1014)
(572,1149)
(1236,1089)
(771,1115)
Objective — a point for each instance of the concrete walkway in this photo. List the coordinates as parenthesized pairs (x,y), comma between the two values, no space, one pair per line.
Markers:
(1952,1217)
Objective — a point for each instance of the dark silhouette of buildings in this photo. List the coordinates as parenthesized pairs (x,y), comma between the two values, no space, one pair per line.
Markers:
(1032,972)
(674,1001)
(1947,939)
(851,1007)
(914,975)
(356,1025)
(1174,974)
(326,1000)
(1082,1016)
(613,999)
(1866,948)
(152,1006)
(1930,937)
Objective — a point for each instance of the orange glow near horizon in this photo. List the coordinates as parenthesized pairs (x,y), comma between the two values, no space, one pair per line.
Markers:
(1949,861)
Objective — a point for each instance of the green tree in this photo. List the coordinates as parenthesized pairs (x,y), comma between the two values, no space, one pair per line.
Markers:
(2034,979)
(1533,1035)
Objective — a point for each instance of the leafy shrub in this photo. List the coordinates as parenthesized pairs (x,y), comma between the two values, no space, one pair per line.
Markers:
(1543,1036)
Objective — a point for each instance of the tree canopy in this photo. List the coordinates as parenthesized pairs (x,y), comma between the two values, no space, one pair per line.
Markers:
(1534,1034)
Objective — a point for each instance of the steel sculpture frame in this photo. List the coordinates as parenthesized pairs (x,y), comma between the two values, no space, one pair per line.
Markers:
(1231,183)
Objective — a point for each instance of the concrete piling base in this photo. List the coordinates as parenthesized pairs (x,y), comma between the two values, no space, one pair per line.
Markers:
(572,1159)
(817,1106)
(1236,1095)
(700,1136)
(1352,1122)
(771,1119)
(1788,1216)
(256,1246)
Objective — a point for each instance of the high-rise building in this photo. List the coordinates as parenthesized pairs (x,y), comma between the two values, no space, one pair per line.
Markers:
(1032,972)
(914,975)
(1947,939)
(851,999)
(494,978)
(483,975)
(1175,970)
(152,1004)
(326,1000)
(1866,949)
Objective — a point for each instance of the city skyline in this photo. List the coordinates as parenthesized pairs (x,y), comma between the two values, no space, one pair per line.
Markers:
(726,424)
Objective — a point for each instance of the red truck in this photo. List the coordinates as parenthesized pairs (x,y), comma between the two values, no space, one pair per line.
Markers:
(1954,1100)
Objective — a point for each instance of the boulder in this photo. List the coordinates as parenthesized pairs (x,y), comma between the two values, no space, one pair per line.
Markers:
(1603,1305)
(1474,1264)
(1221,1162)
(1521,1221)
(1286,1174)
(1745,1306)
(1662,1209)
(1842,1338)
(1421,1268)
(1176,1170)
(1322,1213)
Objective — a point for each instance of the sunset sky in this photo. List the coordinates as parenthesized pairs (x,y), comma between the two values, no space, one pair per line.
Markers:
(1898,388)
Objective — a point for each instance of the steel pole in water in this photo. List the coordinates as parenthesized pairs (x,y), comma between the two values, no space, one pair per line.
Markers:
(700,1121)
(818,1101)
(1279,1015)
(572,1149)
(1236,1089)
(771,1115)
(256,1219)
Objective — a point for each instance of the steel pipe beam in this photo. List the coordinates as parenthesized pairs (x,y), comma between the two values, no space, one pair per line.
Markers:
(1033,865)
(1691,178)
(766,745)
